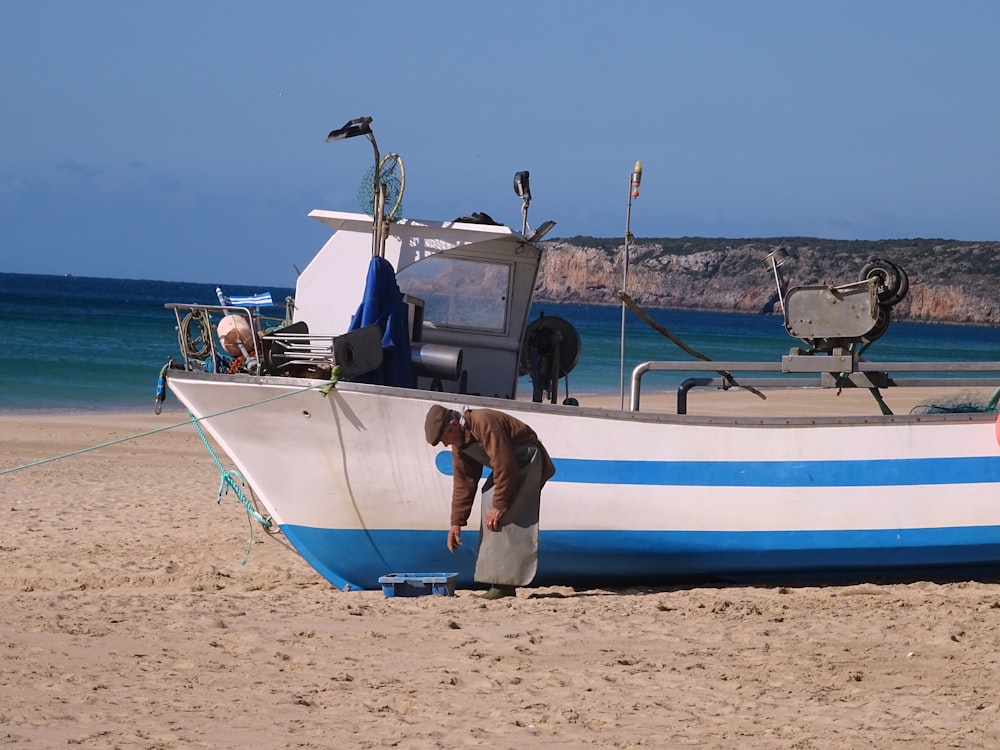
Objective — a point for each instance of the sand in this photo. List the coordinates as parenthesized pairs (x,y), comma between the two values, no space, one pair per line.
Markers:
(799,402)
(128,621)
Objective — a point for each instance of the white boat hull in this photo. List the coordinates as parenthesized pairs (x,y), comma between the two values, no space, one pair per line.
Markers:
(636,497)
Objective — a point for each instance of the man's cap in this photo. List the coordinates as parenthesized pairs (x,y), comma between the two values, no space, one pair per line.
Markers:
(435,422)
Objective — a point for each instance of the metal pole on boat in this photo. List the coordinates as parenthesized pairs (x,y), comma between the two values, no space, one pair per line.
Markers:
(363,126)
(378,200)
(522,188)
(633,192)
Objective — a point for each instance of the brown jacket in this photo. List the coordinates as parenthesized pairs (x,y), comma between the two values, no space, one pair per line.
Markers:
(498,433)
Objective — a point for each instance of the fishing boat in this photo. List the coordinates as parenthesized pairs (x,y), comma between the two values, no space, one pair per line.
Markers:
(322,412)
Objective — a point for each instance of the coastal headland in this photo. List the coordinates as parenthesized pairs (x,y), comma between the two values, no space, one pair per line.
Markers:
(950,281)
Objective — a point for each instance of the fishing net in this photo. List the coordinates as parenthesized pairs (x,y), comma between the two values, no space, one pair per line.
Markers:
(963,402)
(393,177)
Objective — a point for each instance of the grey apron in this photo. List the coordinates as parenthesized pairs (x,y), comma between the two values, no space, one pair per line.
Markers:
(509,556)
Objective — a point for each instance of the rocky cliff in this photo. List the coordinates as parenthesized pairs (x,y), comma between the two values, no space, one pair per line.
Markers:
(949,281)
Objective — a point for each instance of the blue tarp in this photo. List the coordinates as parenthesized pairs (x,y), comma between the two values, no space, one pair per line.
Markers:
(383,306)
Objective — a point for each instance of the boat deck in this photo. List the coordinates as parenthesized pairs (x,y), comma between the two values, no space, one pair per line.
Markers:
(795,402)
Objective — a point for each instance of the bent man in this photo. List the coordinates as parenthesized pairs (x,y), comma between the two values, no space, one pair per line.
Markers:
(478,438)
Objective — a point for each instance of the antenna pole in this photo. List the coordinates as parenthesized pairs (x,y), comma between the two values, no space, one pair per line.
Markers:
(633,192)
(378,201)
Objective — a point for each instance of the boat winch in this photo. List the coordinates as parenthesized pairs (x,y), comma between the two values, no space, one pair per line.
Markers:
(830,317)
(549,351)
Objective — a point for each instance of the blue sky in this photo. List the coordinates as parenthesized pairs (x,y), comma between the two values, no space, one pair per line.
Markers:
(186,140)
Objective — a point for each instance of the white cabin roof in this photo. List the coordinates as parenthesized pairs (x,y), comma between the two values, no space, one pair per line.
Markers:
(329,288)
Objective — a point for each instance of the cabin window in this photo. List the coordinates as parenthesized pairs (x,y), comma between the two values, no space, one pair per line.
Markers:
(460,293)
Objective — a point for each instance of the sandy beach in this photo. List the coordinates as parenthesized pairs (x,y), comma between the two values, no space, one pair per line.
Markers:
(129,621)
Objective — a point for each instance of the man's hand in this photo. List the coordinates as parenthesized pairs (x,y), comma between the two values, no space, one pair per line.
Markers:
(454,538)
(493,517)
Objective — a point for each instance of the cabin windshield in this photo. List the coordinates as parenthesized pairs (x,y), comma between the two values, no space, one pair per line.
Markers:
(460,293)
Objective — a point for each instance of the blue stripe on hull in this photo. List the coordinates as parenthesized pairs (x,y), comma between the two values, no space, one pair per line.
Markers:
(357,558)
(854,473)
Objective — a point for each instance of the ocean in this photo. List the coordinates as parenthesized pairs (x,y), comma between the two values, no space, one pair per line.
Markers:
(78,344)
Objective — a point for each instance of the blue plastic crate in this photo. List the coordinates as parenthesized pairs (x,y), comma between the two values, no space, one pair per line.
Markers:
(418,584)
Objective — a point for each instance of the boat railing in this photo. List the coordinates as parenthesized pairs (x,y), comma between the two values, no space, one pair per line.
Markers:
(807,371)
(291,349)
(264,350)
(201,349)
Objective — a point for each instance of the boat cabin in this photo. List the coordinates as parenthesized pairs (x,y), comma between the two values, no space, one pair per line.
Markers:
(468,287)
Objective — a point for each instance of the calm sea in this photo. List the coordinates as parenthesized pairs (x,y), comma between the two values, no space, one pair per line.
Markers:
(88,344)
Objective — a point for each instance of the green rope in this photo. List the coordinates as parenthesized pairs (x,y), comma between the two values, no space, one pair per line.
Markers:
(323,387)
(231,479)
(41,461)
(228,482)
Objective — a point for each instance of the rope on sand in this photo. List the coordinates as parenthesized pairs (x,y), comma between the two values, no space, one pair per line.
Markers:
(41,461)
(230,477)
(323,387)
